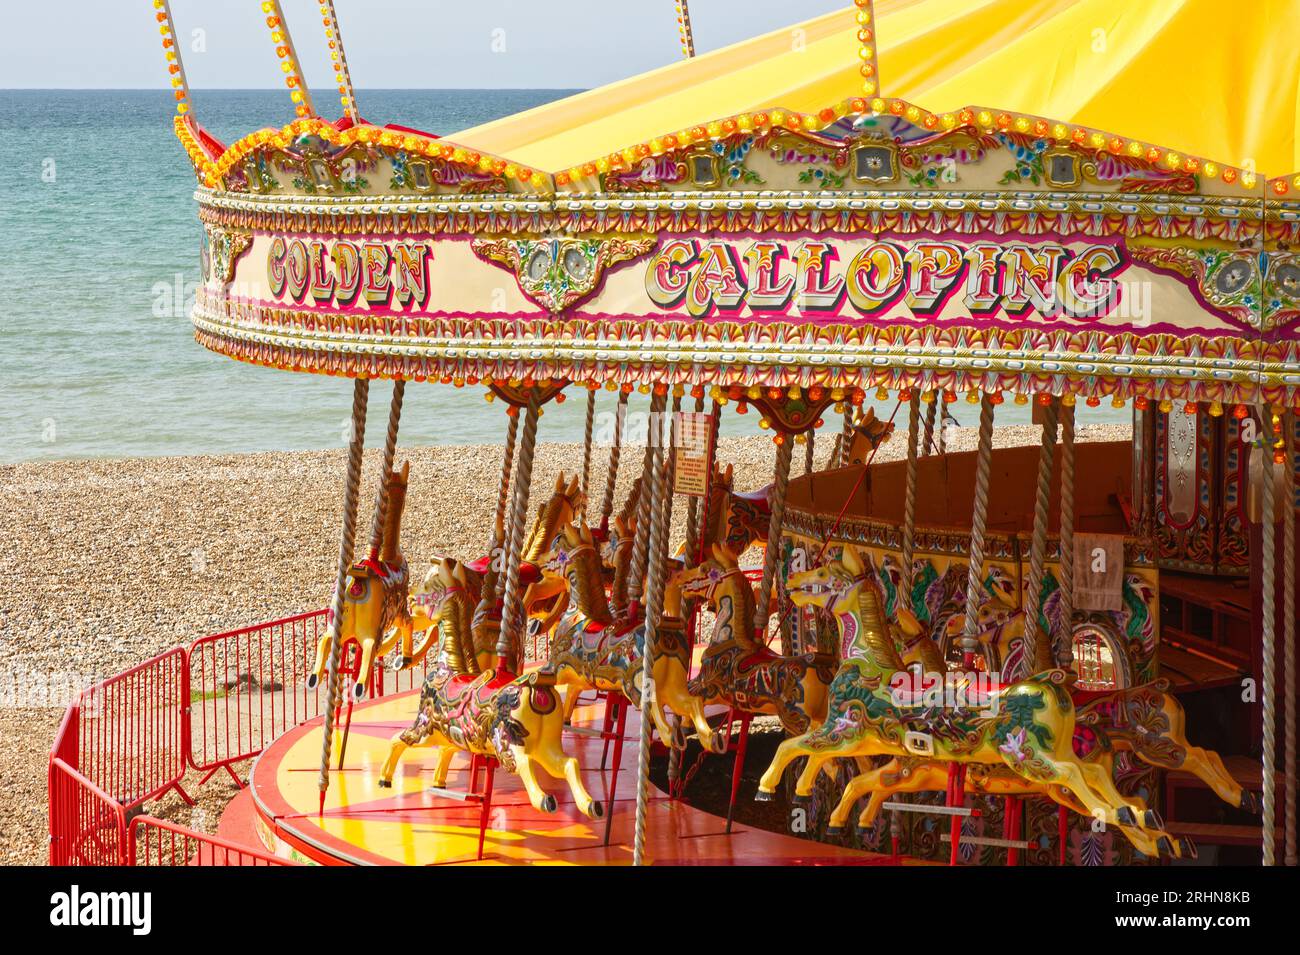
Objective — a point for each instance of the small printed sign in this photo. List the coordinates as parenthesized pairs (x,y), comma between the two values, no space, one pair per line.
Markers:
(691,453)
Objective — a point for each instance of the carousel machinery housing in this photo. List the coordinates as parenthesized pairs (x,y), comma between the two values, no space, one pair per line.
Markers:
(1022,655)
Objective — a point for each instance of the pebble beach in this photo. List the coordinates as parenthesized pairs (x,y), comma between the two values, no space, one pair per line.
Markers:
(115,560)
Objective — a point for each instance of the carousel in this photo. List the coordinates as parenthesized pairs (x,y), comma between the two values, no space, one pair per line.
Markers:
(1049,654)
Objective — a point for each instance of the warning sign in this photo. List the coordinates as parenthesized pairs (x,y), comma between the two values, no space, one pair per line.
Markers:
(692,452)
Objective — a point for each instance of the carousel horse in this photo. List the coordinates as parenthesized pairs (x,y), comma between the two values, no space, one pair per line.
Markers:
(739,669)
(375,613)
(914,774)
(734,519)
(869,432)
(590,650)
(1027,726)
(1146,720)
(911,774)
(465,708)
(425,600)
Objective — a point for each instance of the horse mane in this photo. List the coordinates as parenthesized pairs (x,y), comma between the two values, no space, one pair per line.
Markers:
(873,631)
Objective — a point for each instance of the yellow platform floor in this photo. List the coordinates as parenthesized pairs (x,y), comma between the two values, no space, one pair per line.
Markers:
(406,825)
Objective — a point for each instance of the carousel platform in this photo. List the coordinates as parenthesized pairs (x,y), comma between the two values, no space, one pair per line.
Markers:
(364,824)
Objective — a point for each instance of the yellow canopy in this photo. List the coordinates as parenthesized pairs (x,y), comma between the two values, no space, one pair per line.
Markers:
(1209,79)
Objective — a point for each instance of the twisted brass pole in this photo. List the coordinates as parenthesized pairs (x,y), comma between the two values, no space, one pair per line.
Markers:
(611,478)
(776,516)
(1269,584)
(979,516)
(660,509)
(1065,648)
(347,542)
(509,639)
(1039,643)
(586,452)
(386,466)
(909,494)
(1288,635)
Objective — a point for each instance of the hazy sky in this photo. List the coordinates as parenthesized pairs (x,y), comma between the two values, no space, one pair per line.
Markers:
(83,44)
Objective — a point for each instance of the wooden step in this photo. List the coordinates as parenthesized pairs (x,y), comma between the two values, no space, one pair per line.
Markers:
(1219,834)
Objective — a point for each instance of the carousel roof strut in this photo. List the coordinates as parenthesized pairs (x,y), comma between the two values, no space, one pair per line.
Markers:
(289,62)
(172,52)
(339,60)
(684,28)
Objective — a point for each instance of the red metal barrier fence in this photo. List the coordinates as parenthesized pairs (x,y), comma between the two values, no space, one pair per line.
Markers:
(130,739)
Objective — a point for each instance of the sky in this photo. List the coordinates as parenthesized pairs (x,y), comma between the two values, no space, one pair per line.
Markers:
(390,44)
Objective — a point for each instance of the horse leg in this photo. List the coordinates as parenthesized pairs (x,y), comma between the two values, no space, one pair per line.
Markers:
(317,672)
(401,742)
(445,755)
(803,786)
(537,796)
(1100,777)
(788,751)
(363,669)
(671,688)
(859,786)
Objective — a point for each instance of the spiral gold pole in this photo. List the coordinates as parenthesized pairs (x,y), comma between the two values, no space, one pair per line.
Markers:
(347,542)
(641,543)
(942,402)
(1288,634)
(1065,646)
(1035,638)
(979,516)
(846,436)
(693,506)
(611,478)
(586,452)
(509,639)
(1267,689)
(776,507)
(931,407)
(909,491)
(386,467)
(660,509)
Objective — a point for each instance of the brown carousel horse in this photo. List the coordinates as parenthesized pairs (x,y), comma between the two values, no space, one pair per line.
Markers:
(739,669)
(375,614)
(1027,726)
(465,708)
(590,650)
(869,432)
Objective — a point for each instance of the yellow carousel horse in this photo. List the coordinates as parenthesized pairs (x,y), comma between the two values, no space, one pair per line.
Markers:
(466,708)
(591,651)
(740,670)
(375,614)
(1027,726)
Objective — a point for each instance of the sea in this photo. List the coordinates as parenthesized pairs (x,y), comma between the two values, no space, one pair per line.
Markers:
(99,256)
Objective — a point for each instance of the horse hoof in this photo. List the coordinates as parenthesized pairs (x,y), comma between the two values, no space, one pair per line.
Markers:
(1151,820)
(597,810)
(1250,802)
(1188,848)
(312,681)
(549,804)
(358,691)
(385,784)
(1124,816)
(834,832)
(801,800)
(1165,846)
(405,664)
(761,796)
